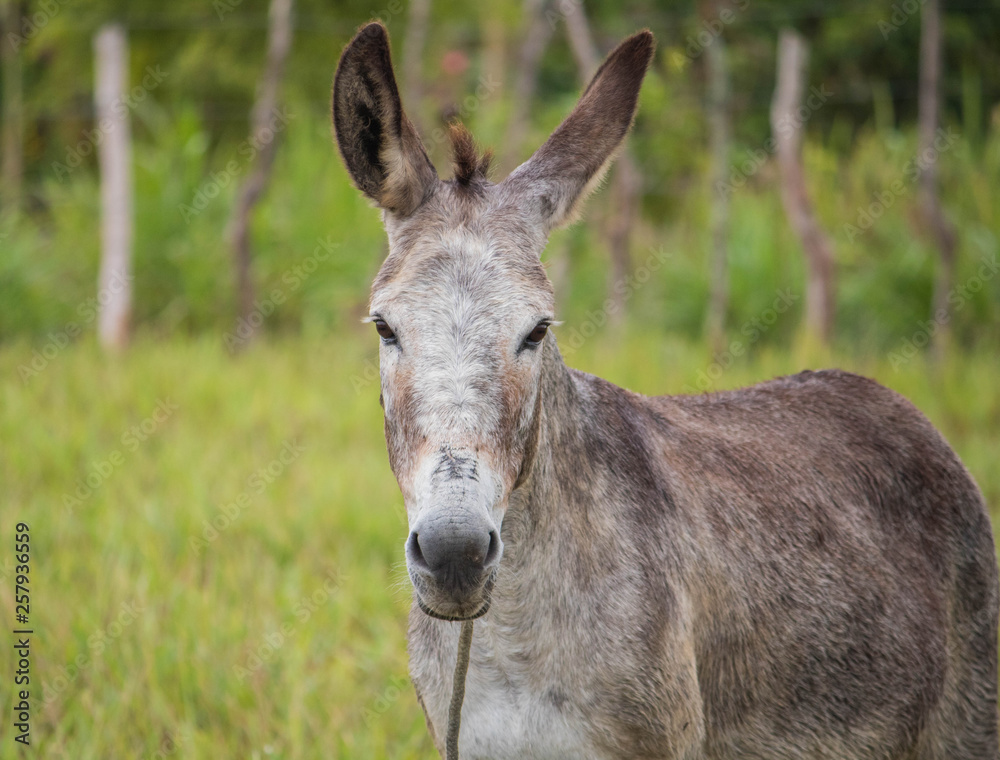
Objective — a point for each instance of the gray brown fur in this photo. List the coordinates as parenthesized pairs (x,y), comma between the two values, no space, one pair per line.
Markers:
(801,569)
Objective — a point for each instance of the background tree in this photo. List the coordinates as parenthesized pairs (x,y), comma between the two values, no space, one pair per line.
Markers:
(114,143)
(941,231)
(12,157)
(263,134)
(719,138)
(787,123)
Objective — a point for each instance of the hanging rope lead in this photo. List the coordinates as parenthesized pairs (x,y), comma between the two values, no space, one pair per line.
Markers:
(458,690)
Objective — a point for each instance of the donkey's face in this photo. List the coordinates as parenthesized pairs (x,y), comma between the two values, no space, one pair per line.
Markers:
(462,306)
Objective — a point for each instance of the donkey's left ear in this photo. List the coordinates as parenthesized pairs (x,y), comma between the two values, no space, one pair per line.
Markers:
(380,146)
(573,160)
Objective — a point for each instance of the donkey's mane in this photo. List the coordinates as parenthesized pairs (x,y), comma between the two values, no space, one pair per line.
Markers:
(470,167)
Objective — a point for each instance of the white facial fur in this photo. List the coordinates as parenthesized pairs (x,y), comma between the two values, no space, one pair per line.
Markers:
(459,378)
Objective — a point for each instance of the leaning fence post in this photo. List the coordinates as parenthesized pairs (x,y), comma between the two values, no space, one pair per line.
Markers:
(787,122)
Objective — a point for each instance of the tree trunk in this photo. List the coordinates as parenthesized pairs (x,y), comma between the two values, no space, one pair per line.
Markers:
(13,106)
(114,285)
(719,141)
(626,181)
(279,38)
(536,36)
(413,59)
(787,128)
(941,230)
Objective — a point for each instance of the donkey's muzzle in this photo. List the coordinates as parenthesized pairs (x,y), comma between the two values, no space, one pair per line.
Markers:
(451,565)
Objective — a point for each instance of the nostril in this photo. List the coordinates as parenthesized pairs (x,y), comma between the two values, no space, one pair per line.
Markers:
(493,552)
(413,551)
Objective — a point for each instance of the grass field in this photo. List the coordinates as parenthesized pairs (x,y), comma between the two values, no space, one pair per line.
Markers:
(216,541)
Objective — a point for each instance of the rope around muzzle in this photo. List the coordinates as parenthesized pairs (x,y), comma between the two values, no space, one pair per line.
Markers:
(458,690)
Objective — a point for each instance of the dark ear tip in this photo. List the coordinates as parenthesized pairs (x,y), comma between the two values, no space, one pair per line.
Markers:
(373,30)
(372,34)
(640,45)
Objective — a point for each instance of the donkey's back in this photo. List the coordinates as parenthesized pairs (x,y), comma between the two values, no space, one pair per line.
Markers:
(846,574)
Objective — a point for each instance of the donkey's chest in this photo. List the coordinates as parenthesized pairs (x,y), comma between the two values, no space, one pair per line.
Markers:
(524,700)
(505,716)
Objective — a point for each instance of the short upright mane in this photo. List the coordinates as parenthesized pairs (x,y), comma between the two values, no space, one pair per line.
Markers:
(470,167)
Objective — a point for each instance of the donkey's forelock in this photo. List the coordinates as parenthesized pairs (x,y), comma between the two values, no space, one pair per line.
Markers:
(471,167)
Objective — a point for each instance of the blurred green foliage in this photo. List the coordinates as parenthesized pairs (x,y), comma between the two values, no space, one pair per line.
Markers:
(190,154)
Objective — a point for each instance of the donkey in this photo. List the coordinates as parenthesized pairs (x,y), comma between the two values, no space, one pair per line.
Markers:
(800,569)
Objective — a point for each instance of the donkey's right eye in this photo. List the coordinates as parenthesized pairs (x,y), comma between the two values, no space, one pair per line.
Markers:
(385,331)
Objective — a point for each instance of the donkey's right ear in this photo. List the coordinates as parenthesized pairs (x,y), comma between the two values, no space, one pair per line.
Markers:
(380,146)
(572,161)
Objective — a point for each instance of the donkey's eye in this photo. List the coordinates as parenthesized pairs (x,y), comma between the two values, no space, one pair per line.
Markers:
(536,336)
(385,331)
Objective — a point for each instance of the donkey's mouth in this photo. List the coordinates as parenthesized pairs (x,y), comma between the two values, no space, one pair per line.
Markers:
(445,607)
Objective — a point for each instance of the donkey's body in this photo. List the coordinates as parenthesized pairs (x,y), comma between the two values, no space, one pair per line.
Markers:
(798,569)
(803,569)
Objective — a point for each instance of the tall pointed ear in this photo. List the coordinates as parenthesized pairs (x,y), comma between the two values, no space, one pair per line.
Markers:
(573,160)
(379,145)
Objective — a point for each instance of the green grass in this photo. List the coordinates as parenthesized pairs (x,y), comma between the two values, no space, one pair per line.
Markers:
(198,666)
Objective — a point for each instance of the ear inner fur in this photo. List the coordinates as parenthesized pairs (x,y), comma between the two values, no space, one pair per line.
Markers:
(379,145)
(573,160)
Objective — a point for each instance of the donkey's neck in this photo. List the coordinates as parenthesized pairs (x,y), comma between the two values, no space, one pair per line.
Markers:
(566,475)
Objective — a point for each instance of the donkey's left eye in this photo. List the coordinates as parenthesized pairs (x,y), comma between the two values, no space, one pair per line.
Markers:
(536,336)
(385,331)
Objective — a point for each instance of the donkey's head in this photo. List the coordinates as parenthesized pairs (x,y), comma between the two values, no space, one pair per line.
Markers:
(462,305)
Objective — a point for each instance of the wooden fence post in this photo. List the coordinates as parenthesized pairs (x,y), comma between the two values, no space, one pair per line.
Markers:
(279,42)
(719,140)
(114,284)
(941,230)
(13,105)
(787,122)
